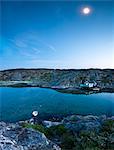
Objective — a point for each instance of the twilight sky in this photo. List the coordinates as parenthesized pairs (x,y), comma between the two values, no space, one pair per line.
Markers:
(56,34)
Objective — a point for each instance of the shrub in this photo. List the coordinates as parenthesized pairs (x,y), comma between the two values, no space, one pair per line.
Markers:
(68,141)
(58,130)
(108,126)
(37,127)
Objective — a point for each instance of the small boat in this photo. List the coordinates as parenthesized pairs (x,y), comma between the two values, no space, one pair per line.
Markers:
(96,89)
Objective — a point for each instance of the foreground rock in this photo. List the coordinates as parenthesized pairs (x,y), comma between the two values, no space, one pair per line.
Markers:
(89,132)
(77,123)
(14,137)
(50,123)
(74,132)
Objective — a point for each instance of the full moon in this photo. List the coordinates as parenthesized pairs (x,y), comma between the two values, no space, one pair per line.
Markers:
(86,10)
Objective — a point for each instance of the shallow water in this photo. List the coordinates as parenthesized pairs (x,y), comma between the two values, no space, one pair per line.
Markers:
(18,103)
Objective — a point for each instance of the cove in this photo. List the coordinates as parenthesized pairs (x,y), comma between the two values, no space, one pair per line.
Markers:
(18,103)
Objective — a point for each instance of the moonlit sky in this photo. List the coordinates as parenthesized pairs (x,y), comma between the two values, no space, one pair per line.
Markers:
(57,34)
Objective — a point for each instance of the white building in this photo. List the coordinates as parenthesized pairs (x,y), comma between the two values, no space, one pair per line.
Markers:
(88,84)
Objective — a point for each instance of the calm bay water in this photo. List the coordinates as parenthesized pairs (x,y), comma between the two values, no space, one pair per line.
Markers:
(18,103)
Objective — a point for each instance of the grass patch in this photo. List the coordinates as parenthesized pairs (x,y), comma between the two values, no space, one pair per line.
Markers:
(37,127)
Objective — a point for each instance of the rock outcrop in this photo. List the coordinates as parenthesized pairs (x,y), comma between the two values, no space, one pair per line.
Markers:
(76,123)
(14,137)
(84,133)
(72,132)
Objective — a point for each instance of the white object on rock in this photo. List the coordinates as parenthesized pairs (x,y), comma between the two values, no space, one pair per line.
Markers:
(50,123)
(35,113)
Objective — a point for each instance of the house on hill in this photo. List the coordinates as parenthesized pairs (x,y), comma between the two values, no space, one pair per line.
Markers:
(88,84)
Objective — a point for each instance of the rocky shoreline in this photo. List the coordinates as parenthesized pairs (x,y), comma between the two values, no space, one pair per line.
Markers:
(85,91)
(67,81)
(73,90)
(73,132)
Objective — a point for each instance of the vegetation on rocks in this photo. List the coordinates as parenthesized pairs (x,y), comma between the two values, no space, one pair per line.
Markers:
(38,127)
(15,137)
(68,138)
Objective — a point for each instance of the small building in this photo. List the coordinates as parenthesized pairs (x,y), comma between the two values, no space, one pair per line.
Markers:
(88,84)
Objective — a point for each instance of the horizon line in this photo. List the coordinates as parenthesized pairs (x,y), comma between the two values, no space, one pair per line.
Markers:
(57,69)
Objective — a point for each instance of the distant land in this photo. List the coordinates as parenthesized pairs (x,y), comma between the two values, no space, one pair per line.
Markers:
(77,81)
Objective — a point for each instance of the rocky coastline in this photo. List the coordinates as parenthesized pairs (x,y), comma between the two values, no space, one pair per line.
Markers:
(67,90)
(73,132)
(67,81)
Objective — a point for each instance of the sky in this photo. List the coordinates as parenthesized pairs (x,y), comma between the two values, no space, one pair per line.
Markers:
(57,34)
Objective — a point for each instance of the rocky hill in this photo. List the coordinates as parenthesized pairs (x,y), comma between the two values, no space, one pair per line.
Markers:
(56,78)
